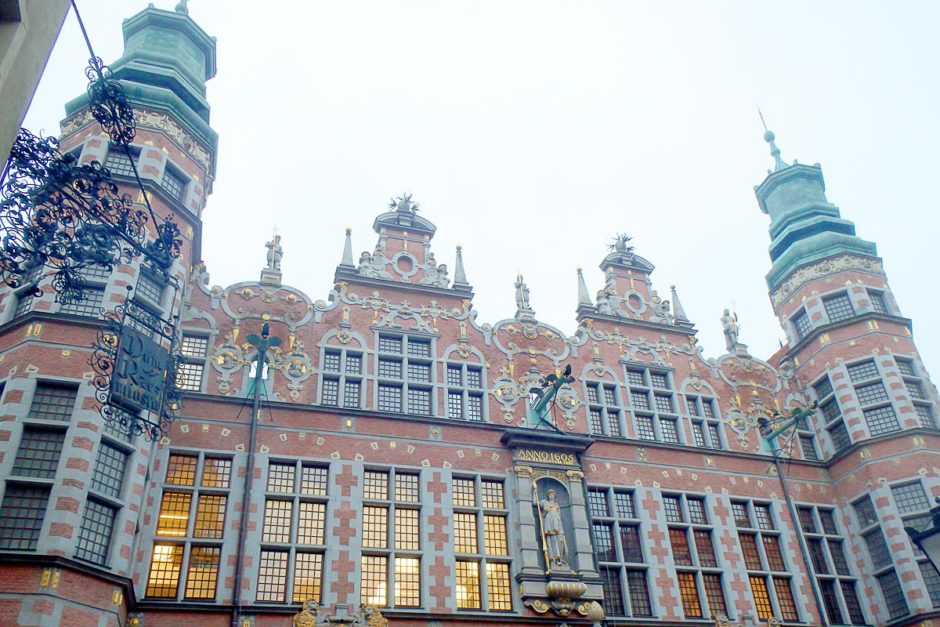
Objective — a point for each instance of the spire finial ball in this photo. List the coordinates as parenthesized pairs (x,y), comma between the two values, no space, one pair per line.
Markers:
(348,230)
(578,269)
(769,136)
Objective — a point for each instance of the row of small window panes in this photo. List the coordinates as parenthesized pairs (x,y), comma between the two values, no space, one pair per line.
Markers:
(626,592)
(194,346)
(657,428)
(418,371)
(838,308)
(173,183)
(416,347)
(332,359)
(308,480)
(648,378)
(189,376)
(90,305)
(281,527)
(274,573)
(119,163)
(461,406)
(202,571)
(465,376)
(390,399)
(151,288)
(352,392)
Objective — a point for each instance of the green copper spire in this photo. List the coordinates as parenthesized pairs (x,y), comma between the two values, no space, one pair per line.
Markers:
(804,225)
(779,164)
(166,62)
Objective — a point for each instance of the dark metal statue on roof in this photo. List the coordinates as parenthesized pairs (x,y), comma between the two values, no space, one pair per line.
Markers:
(621,244)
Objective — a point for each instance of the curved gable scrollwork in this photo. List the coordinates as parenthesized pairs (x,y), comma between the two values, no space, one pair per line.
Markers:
(292,307)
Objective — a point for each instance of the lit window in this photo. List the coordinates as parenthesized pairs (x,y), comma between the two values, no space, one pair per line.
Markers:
(481,545)
(293,533)
(767,571)
(391,537)
(192,513)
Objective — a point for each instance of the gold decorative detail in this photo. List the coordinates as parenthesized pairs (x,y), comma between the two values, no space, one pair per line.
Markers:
(827,266)
(523,471)
(546,457)
(307,616)
(372,617)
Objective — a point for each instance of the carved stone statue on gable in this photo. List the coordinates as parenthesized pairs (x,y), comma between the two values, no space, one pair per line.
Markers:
(275,253)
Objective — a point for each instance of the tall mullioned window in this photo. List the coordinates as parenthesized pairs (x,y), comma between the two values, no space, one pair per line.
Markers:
(873,398)
(654,405)
(827,553)
(481,544)
(917,389)
(618,545)
(763,558)
(391,539)
(464,391)
(801,323)
(881,560)
(605,412)
(832,414)
(190,527)
(23,509)
(706,429)
(103,504)
(293,536)
(193,349)
(405,371)
(914,506)
(693,551)
(342,378)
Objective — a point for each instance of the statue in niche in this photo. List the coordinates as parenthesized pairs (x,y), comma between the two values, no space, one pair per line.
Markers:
(730,327)
(553,532)
(275,252)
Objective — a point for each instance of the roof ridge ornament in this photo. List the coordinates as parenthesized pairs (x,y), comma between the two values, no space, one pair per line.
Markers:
(403,204)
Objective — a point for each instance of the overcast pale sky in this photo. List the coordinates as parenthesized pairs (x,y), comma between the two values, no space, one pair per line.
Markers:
(531,132)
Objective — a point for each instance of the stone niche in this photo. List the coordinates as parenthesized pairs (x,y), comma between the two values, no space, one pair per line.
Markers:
(557,572)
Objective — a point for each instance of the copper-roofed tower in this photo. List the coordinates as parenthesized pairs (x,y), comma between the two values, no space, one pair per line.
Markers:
(75,486)
(853,351)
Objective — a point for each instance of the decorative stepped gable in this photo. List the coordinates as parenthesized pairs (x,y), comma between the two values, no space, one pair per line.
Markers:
(805,226)
(403,255)
(627,294)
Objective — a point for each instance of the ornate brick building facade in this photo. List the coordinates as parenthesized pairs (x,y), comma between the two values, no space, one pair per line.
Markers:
(401,464)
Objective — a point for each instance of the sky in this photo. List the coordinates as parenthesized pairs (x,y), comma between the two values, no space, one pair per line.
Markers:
(532,132)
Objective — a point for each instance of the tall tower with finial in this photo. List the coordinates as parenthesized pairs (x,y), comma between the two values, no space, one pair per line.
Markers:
(77,513)
(853,351)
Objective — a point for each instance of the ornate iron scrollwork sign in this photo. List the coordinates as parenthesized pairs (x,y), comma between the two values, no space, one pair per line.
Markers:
(135,361)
